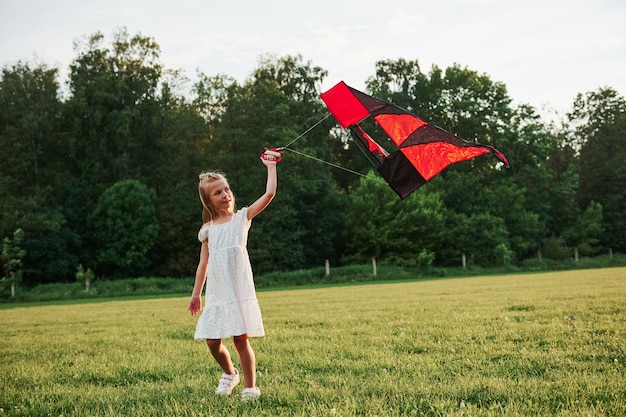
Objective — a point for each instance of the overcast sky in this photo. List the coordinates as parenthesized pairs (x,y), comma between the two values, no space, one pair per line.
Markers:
(545,51)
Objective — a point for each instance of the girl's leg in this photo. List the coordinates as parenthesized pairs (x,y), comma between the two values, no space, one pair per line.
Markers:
(221,355)
(248,360)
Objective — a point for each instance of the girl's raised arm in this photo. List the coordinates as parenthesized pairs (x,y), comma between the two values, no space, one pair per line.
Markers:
(270,188)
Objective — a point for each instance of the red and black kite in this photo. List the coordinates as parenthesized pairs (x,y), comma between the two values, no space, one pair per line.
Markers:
(424,149)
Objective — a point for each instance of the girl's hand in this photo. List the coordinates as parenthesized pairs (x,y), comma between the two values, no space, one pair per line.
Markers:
(271,156)
(195,305)
(268,162)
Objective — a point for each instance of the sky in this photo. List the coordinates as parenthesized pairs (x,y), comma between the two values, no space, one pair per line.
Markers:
(544,51)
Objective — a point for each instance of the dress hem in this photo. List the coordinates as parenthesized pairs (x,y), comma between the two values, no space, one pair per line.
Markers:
(250,335)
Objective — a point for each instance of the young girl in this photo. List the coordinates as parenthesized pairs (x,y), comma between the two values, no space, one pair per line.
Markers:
(231,306)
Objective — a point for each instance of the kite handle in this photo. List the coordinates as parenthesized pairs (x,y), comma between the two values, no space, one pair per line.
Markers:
(275,152)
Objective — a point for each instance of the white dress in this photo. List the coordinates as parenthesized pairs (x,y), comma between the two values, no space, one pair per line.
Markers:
(230,307)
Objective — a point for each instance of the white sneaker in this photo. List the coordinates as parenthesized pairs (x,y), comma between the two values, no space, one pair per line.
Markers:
(250,394)
(227,383)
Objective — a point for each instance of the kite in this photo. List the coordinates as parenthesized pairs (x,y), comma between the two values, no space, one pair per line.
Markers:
(424,150)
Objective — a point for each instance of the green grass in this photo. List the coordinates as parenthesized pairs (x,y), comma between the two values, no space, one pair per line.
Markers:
(549,344)
(347,274)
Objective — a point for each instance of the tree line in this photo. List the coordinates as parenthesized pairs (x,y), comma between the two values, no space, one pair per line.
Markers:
(101,173)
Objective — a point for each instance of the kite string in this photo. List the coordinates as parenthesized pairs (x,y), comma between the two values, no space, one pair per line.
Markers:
(287,148)
(303,133)
(325,162)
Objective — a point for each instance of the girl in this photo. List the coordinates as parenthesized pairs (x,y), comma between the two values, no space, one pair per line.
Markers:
(231,307)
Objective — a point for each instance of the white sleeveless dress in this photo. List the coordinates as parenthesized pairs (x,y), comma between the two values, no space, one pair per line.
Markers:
(230,304)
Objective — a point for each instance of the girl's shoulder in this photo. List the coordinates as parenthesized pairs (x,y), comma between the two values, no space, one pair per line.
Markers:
(203,233)
(242,213)
(241,216)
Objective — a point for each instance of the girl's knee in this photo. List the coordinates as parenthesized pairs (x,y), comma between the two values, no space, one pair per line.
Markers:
(213,343)
(240,341)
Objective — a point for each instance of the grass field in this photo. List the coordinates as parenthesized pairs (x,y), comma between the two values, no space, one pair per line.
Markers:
(519,345)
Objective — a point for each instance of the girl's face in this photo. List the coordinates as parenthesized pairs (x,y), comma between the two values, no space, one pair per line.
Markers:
(220,195)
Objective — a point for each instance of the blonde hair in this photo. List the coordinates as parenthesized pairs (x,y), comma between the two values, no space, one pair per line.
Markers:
(208,211)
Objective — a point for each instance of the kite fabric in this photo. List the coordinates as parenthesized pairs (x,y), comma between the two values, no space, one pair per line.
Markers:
(424,150)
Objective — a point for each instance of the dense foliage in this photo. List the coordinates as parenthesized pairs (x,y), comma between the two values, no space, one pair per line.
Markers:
(105,174)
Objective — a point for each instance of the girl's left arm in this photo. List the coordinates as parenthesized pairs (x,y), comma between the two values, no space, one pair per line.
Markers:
(270,189)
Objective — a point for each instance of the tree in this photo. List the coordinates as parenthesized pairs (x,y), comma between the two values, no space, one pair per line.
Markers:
(586,232)
(488,239)
(32,170)
(187,134)
(125,228)
(84,276)
(509,202)
(113,115)
(12,255)
(544,167)
(481,236)
(126,120)
(599,126)
(379,224)
(30,110)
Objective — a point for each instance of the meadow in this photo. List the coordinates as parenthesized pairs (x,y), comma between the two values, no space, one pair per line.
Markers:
(543,344)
